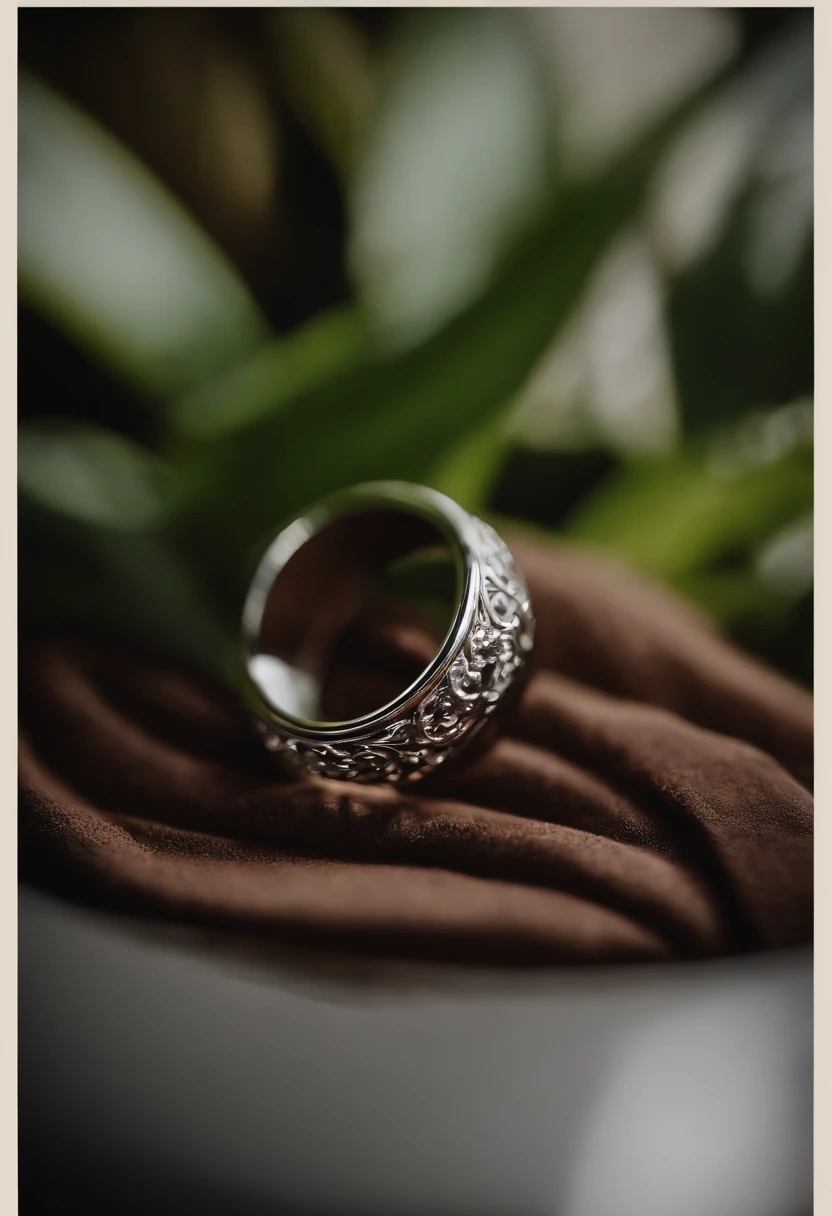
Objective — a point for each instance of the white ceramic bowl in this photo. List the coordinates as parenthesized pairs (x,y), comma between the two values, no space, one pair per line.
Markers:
(156,1078)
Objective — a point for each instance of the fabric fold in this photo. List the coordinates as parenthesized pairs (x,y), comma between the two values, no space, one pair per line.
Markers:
(649,798)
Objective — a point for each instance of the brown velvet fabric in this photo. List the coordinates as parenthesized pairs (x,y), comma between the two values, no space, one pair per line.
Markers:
(650,799)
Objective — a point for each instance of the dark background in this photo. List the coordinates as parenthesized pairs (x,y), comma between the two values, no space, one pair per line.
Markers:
(556,263)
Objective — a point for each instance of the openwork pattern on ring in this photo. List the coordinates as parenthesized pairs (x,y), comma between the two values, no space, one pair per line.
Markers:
(488,662)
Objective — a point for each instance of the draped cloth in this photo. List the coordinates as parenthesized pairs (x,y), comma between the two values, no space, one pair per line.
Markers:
(649,798)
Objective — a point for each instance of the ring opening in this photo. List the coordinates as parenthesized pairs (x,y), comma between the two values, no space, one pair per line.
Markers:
(356,615)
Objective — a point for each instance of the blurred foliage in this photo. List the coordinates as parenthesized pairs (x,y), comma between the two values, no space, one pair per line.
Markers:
(265,254)
(106,253)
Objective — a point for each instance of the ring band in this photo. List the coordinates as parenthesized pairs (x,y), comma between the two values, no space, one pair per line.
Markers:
(480,659)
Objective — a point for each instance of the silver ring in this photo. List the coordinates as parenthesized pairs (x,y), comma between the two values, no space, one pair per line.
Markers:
(479,661)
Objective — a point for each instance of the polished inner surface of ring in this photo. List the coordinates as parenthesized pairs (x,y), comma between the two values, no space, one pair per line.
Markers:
(380,565)
(404,575)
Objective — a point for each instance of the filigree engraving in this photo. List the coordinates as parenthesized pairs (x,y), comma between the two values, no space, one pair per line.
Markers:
(476,681)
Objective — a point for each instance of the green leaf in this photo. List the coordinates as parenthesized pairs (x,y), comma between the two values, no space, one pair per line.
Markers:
(261,386)
(740,307)
(468,472)
(733,346)
(326,71)
(459,155)
(92,475)
(111,259)
(674,517)
(397,415)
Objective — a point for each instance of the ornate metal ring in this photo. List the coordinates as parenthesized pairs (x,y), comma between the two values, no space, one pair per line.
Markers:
(321,560)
